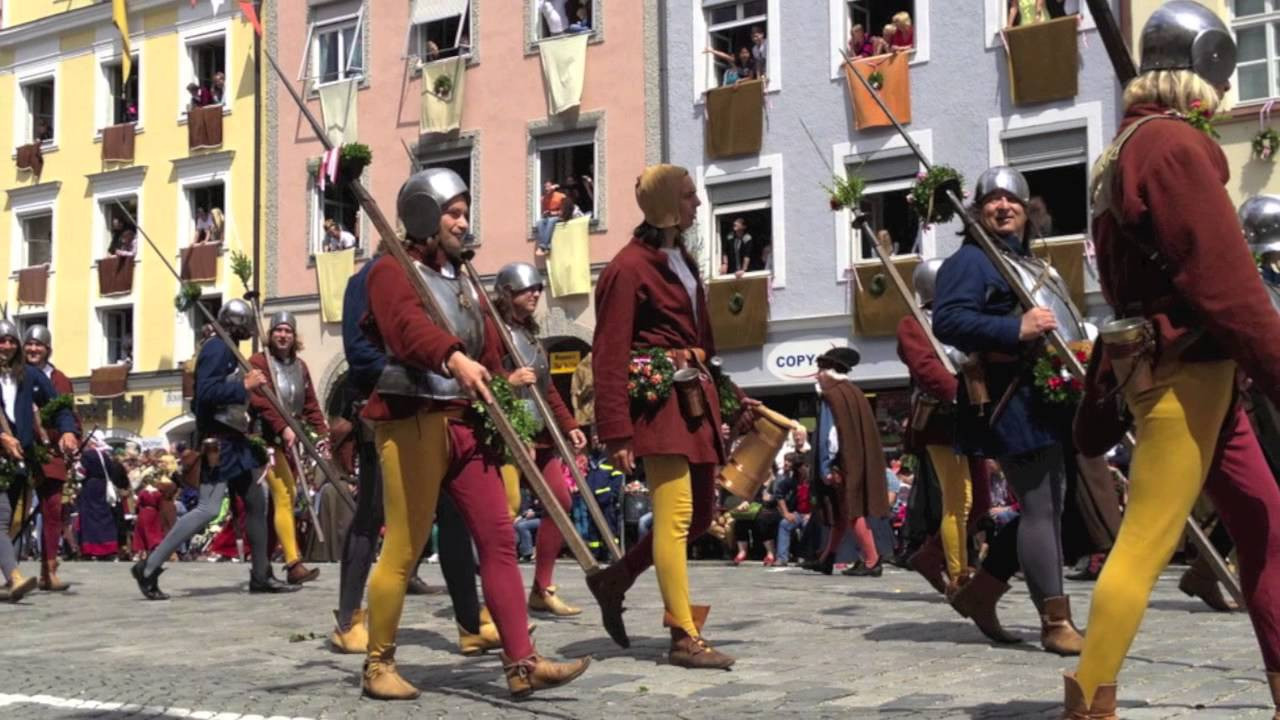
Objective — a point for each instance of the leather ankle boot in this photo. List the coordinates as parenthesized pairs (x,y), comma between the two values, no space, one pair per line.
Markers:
(297,573)
(700,613)
(957,584)
(1074,707)
(1199,581)
(483,641)
(18,587)
(931,562)
(695,653)
(355,639)
(49,581)
(977,601)
(381,679)
(1057,633)
(538,673)
(1274,679)
(609,586)
(546,600)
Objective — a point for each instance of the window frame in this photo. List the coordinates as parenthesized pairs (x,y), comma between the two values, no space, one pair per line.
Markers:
(1271,62)
(24,252)
(194,37)
(703,64)
(24,320)
(101,351)
(24,125)
(336,26)
(103,105)
(414,44)
(23,202)
(102,237)
(841,23)
(543,139)
(997,13)
(728,172)
(716,251)
(533,25)
(315,207)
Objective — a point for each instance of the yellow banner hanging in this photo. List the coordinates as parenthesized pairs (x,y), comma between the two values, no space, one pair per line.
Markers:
(120,18)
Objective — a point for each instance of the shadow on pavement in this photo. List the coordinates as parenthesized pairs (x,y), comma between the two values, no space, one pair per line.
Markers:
(956,632)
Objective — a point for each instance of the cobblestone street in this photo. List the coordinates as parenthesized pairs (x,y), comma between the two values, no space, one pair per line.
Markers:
(807,646)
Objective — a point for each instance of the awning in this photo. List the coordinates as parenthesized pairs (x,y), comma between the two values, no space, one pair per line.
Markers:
(424,11)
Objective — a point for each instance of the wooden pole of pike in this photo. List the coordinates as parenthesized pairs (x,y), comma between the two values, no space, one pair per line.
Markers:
(1125,71)
(392,245)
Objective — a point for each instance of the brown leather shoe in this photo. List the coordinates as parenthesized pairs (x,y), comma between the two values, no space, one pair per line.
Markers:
(609,586)
(17,588)
(355,639)
(381,679)
(1274,679)
(299,573)
(49,581)
(931,562)
(483,641)
(977,601)
(956,585)
(538,673)
(1199,581)
(696,654)
(700,613)
(1057,633)
(545,600)
(1074,707)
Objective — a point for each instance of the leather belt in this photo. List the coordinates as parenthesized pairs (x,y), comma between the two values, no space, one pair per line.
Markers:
(999,357)
(681,357)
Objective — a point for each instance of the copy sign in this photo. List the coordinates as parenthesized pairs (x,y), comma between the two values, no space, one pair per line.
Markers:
(797,359)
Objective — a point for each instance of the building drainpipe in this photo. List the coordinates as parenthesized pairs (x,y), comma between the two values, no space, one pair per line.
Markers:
(663,116)
(258,148)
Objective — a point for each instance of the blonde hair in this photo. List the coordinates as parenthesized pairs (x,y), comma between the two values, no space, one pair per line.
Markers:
(888,30)
(902,18)
(1173,89)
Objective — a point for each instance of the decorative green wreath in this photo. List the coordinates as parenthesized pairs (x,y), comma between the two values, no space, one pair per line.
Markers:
(928,195)
(650,376)
(522,421)
(1266,144)
(876,80)
(1055,383)
(186,297)
(51,409)
(443,87)
(845,192)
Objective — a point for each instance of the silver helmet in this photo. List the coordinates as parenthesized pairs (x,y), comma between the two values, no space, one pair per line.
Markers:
(1260,218)
(282,317)
(40,334)
(517,277)
(9,329)
(925,279)
(1002,178)
(236,317)
(422,199)
(1185,35)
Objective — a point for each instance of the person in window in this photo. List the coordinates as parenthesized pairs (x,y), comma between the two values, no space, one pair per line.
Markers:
(1026,12)
(432,51)
(125,244)
(1039,218)
(759,50)
(553,201)
(43,133)
(582,19)
(199,96)
(219,87)
(884,42)
(860,45)
(904,36)
(741,66)
(337,237)
(555,15)
(203,226)
(736,249)
(217,223)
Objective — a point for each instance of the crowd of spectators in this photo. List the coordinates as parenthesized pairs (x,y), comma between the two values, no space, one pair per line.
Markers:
(896,36)
(573,197)
(202,94)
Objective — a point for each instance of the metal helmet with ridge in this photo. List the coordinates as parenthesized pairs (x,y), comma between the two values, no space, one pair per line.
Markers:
(282,317)
(1185,35)
(517,277)
(237,318)
(925,279)
(1260,219)
(9,329)
(1002,178)
(39,334)
(422,200)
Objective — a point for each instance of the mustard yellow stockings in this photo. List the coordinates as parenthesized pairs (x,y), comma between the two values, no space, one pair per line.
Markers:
(671,489)
(1178,421)
(957,497)
(284,490)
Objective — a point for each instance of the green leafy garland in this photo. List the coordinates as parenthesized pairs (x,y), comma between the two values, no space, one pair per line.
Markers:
(845,192)
(51,409)
(1266,144)
(876,80)
(443,87)
(258,448)
(186,297)
(1055,383)
(353,158)
(1201,119)
(522,421)
(727,391)
(650,376)
(933,210)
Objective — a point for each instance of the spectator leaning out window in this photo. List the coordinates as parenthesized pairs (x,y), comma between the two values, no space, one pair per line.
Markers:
(904,36)
(859,44)
(219,87)
(1026,12)
(555,15)
(741,66)
(125,244)
(759,50)
(337,237)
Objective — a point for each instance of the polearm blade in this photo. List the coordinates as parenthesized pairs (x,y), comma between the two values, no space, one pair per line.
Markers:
(392,245)
(331,473)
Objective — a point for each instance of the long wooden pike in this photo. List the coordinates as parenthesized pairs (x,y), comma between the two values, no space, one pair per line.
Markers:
(392,245)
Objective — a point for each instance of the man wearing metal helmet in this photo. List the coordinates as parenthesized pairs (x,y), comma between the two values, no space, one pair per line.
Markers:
(1260,217)
(429,440)
(1172,259)
(37,347)
(977,312)
(288,375)
(23,388)
(221,406)
(519,287)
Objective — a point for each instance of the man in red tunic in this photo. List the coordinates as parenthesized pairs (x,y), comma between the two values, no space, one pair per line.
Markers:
(38,347)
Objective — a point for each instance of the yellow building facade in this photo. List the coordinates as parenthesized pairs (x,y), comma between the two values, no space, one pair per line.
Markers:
(185,173)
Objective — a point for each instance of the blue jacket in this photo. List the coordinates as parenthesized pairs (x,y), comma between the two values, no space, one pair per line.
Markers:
(35,390)
(975,310)
(214,392)
(364,359)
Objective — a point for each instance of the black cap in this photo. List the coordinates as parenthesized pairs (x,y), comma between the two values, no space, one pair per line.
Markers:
(843,357)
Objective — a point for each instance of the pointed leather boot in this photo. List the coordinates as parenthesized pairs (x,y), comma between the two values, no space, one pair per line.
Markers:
(700,613)
(381,679)
(538,673)
(1074,707)
(1198,581)
(610,586)
(931,563)
(297,573)
(977,601)
(1057,633)
(1274,679)
(49,581)
(695,653)
(955,586)
(355,639)
(545,600)
(18,587)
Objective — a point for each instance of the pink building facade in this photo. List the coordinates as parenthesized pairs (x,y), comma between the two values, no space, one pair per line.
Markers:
(507,144)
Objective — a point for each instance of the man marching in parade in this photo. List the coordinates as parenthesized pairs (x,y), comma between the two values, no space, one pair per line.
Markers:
(1192,314)
(429,439)
(23,389)
(977,312)
(650,297)
(38,347)
(288,375)
(519,286)
(227,463)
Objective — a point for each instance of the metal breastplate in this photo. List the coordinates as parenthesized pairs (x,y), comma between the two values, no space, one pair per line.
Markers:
(532,355)
(957,358)
(458,301)
(290,384)
(1048,289)
(234,416)
(1274,293)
